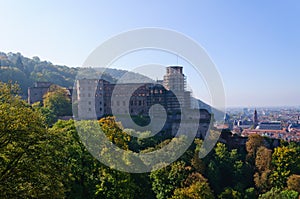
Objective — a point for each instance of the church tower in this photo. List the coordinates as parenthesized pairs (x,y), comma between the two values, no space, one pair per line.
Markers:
(255,119)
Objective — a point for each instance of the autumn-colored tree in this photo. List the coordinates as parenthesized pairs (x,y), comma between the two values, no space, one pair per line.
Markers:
(263,165)
(254,142)
(195,186)
(293,183)
(194,191)
(114,132)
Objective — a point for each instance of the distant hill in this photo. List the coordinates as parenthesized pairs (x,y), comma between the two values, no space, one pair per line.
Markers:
(25,71)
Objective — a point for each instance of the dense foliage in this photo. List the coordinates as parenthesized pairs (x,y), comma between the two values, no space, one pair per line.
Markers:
(42,161)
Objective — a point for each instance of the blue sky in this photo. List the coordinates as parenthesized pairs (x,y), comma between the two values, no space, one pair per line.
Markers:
(254,44)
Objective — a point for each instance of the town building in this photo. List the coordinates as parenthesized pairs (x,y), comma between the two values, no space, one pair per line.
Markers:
(272,125)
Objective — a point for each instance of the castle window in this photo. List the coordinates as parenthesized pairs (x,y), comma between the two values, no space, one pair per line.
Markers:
(100,109)
(100,102)
(140,102)
(124,103)
(90,102)
(90,109)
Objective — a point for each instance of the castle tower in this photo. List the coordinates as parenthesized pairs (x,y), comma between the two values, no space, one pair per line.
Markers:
(175,81)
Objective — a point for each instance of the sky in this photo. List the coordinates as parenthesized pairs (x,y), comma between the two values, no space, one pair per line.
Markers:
(255,45)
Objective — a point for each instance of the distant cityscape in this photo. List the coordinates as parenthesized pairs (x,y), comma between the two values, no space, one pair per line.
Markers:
(278,123)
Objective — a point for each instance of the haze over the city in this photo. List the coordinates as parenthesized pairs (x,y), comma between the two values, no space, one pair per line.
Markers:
(254,45)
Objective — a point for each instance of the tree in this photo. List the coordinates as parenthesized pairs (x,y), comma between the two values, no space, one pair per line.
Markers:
(195,186)
(230,193)
(293,183)
(194,191)
(276,193)
(283,160)
(26,169)
(226,169)
(167,179)
(263,165)
(48,115)
(250,193)
(77,166)
(58,101)
(114,132)
(196,162)
(115,184)
(254,142)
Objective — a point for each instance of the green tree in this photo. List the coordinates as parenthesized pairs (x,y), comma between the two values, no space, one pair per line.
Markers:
(197,163)
(115,184)
(283,160)
(230,193)
(58,101)
(250,193)
(49,117)
(26,168)
(226,169)
(77,166)
(167,179)
(276,193)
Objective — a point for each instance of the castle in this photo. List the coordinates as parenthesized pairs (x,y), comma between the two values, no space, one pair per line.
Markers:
(97,98)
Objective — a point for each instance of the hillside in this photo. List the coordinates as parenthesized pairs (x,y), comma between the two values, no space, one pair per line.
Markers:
(25,71)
